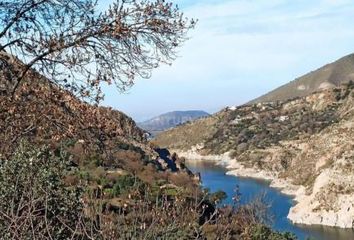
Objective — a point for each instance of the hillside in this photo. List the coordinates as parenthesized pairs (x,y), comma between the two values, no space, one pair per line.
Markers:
(98,138)
(169,120)
(41,113)
(328,76)
(48,135)
(305,146)
(66,164)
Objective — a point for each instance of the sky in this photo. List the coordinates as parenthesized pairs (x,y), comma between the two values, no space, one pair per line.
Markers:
(239,50)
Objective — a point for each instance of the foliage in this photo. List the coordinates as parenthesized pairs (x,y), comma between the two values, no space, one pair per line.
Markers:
(75,45)
(218,196)
(34,201)
(125,183)
(42,206)
(261,232)
(50,46)
(258,126)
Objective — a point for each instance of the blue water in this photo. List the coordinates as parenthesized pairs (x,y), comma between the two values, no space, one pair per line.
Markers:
(214,178)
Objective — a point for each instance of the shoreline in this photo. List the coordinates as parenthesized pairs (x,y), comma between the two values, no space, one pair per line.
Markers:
(300,212)
(237,169)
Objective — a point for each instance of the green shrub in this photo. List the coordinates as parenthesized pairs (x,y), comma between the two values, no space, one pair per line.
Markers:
(218,196)
(125,183)
(34,201)
(261,232)
(84,175)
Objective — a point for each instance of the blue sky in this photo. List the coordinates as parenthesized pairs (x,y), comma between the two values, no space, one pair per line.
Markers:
(239,50)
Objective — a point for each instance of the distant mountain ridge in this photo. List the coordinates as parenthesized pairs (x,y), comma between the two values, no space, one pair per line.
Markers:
(328,76)
(171,119)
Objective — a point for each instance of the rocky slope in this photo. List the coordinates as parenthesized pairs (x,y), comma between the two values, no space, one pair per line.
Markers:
(169,120)
(329,76)
(305,146)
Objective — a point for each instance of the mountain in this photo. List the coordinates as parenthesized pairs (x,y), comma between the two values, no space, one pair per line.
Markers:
(328,76)
(305,146)
(41,113)
(41,110)
(171,119)
(98,169)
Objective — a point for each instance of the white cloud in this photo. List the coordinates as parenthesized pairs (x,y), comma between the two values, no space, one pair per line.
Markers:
(245,36)
(247,47)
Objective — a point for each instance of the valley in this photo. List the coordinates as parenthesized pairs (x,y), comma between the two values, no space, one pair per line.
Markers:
(304,146)
(234,163)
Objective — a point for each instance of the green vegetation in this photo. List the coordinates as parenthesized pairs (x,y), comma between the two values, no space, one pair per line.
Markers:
(284,138)
(45,204)
(250,128)
(34,201)
(256,127)
(261,232)
(73,170)
(218,196)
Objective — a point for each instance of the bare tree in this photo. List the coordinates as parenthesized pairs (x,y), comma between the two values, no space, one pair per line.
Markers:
(78,47)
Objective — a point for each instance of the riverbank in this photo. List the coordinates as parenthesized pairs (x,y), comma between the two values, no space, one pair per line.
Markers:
(307,208)
(214,177)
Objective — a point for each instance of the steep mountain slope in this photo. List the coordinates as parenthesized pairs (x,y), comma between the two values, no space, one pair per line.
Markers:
(40,110)
(171,119)
(304,145)
(328,76)
(42,113)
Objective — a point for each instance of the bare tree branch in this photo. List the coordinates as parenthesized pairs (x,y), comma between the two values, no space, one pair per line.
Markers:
(79,48)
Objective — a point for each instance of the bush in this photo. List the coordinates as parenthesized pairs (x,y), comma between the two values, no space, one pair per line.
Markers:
(127,183)
(261,232)
(34,201)
(218,196)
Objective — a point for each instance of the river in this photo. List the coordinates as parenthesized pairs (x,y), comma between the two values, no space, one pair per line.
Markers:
(214,177)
